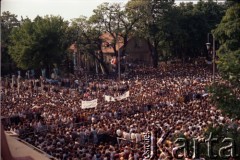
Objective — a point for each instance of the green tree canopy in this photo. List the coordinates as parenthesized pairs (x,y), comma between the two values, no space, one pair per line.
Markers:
(110,18)
(39,42)
(192,23)
(180,31)
(8,22)
(227,33)
(87,36)
(153,23)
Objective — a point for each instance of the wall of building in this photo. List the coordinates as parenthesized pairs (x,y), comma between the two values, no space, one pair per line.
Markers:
(137,49)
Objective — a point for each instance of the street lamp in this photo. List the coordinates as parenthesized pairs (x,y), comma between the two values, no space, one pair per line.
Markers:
(208,44)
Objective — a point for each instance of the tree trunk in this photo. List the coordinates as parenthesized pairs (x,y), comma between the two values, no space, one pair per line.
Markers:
(155,57)
(125,41)
(101,62)
(103,66)
(154,53)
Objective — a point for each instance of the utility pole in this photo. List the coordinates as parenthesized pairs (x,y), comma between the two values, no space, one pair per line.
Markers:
(119,70)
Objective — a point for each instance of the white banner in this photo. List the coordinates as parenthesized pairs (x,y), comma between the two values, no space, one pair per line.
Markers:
(123,96)
(89,104)
(119,98)
(109,98)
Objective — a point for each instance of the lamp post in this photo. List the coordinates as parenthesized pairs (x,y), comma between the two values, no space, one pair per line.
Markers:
(213,53)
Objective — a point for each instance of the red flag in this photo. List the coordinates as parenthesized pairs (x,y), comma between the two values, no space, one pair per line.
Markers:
(73,47)
(114,61)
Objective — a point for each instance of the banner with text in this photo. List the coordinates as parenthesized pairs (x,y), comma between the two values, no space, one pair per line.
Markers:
(123,96)
(118,98)
(109,98)
(89,104)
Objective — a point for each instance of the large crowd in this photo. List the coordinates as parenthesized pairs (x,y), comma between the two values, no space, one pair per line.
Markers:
(48,113)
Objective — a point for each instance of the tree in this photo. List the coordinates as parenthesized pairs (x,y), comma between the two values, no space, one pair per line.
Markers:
(87,36)
(107,16)
(227,33)
(116,20)
(8,22)
(226,94)
(128,17)
(152,24)
(38,43)
(192,23)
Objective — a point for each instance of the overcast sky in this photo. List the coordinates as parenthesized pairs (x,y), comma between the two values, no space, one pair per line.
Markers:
(68,9)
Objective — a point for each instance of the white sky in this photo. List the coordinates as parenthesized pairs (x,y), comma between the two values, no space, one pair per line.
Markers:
(68,9)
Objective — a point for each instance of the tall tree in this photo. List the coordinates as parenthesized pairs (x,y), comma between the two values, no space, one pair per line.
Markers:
(128,17)
(38,43)
(107,16)
(227,33)
(152,24)
(88,40)
(227,95)
(192,23)
(8,22)
(116,20)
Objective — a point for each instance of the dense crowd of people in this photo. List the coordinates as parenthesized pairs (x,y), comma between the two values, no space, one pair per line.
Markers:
(48,113)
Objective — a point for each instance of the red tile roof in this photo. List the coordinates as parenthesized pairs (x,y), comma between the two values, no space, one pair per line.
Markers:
(108,40)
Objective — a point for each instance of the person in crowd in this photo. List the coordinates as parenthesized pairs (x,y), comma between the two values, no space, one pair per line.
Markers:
(173,99)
